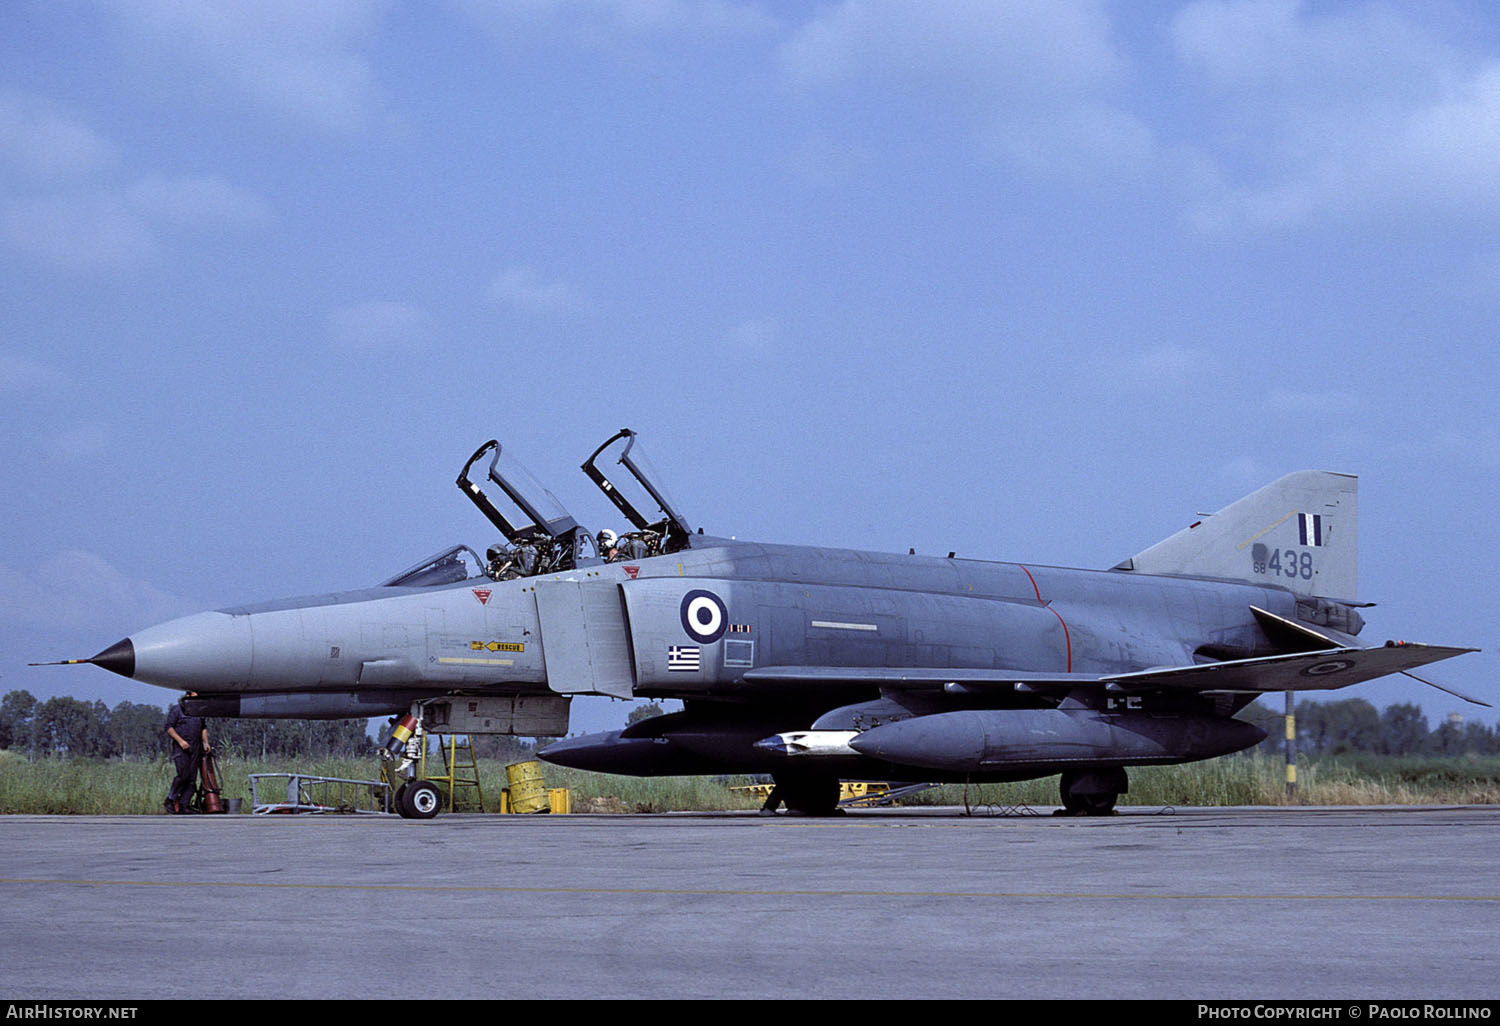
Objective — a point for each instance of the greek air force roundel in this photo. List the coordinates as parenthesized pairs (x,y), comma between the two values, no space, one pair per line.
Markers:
(704,616)
(1327,667)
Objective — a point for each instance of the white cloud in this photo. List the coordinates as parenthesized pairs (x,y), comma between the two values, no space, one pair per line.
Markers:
(1083,138)
(40,139)
(1244,474)
(20,375)
(523,289)
(754,337)
(1329,403)
(379,327)
(603,23)
(1282,47)
(1452,145)
(88,232)
(1471,446)
(76,588)
(1036,81)
(822,161)
(1036,48)
(298,58)
(202,202)
(1163,368)
(80,441)
(1482,278)
(1351,112)
(66,211)
(111,230)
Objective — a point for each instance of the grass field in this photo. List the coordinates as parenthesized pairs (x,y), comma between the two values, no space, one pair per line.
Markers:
(112,787)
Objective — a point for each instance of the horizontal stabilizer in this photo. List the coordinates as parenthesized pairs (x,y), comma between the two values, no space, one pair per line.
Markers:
(1323,670)
(1302,671)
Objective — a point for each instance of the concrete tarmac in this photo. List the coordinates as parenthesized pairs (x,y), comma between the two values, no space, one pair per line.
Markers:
(1337,904)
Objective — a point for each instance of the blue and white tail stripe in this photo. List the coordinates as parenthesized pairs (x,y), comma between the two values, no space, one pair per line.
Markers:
(1310,528)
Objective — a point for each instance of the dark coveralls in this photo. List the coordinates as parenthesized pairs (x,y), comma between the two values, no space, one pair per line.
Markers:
(190,729)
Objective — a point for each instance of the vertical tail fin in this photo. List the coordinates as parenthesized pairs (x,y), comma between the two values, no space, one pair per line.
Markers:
(1299,533)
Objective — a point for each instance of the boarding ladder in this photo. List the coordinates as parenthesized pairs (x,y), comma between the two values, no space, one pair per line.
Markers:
(460,768)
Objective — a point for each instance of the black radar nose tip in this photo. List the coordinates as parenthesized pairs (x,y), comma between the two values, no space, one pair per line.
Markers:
(117,658)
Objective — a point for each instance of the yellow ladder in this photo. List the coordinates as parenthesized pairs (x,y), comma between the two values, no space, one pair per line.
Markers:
(460,768)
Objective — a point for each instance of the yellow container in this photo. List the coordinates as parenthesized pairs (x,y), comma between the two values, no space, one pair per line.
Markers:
(528,791)
(560,800)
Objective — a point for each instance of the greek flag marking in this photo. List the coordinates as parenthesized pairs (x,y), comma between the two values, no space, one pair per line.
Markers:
(682,658)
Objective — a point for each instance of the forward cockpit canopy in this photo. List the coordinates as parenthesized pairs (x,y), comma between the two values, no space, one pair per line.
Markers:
(541,537)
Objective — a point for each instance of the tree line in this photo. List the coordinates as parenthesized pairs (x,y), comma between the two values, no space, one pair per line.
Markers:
(69,727)
(1355,725)
(62,727)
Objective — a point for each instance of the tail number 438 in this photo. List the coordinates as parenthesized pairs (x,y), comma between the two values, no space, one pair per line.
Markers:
(1285,563)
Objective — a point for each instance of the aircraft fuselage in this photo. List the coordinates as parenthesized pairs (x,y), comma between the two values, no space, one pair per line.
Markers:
(370,651)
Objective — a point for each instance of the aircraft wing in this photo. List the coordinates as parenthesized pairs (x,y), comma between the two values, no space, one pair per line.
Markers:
(1323,670)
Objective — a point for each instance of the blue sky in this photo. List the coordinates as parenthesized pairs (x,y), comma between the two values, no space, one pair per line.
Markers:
(1030,281)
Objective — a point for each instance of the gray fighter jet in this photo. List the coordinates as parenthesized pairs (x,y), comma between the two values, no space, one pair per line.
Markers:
(813,665)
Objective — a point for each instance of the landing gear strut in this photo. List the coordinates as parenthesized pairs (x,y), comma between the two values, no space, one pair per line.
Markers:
(414,799)
(1092,792)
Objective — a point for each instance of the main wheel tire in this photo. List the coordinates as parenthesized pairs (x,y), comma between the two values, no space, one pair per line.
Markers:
(398,801)
(809,796)
(421,800)
(1094,803)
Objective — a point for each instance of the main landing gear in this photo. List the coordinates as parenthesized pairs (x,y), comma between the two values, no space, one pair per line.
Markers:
(1092,792)
(804,795)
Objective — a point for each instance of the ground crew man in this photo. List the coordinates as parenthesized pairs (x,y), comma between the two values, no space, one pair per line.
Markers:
(189,736)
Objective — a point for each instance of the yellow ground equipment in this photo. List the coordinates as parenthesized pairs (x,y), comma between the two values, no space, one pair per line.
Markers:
(851,792)
(528,791)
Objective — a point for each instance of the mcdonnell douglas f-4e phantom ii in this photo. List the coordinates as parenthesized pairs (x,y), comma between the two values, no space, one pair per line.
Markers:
(814,665)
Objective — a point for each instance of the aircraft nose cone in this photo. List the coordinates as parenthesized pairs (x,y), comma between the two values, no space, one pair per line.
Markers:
(204,652)
(118,658)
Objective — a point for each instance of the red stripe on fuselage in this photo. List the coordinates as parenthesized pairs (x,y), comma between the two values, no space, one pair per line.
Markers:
(1067,638)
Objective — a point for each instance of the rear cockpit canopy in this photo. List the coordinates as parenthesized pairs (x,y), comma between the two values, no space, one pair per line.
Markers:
(638,493)
(541,536)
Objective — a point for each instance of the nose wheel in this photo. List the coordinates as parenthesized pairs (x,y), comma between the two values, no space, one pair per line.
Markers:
(419,799)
